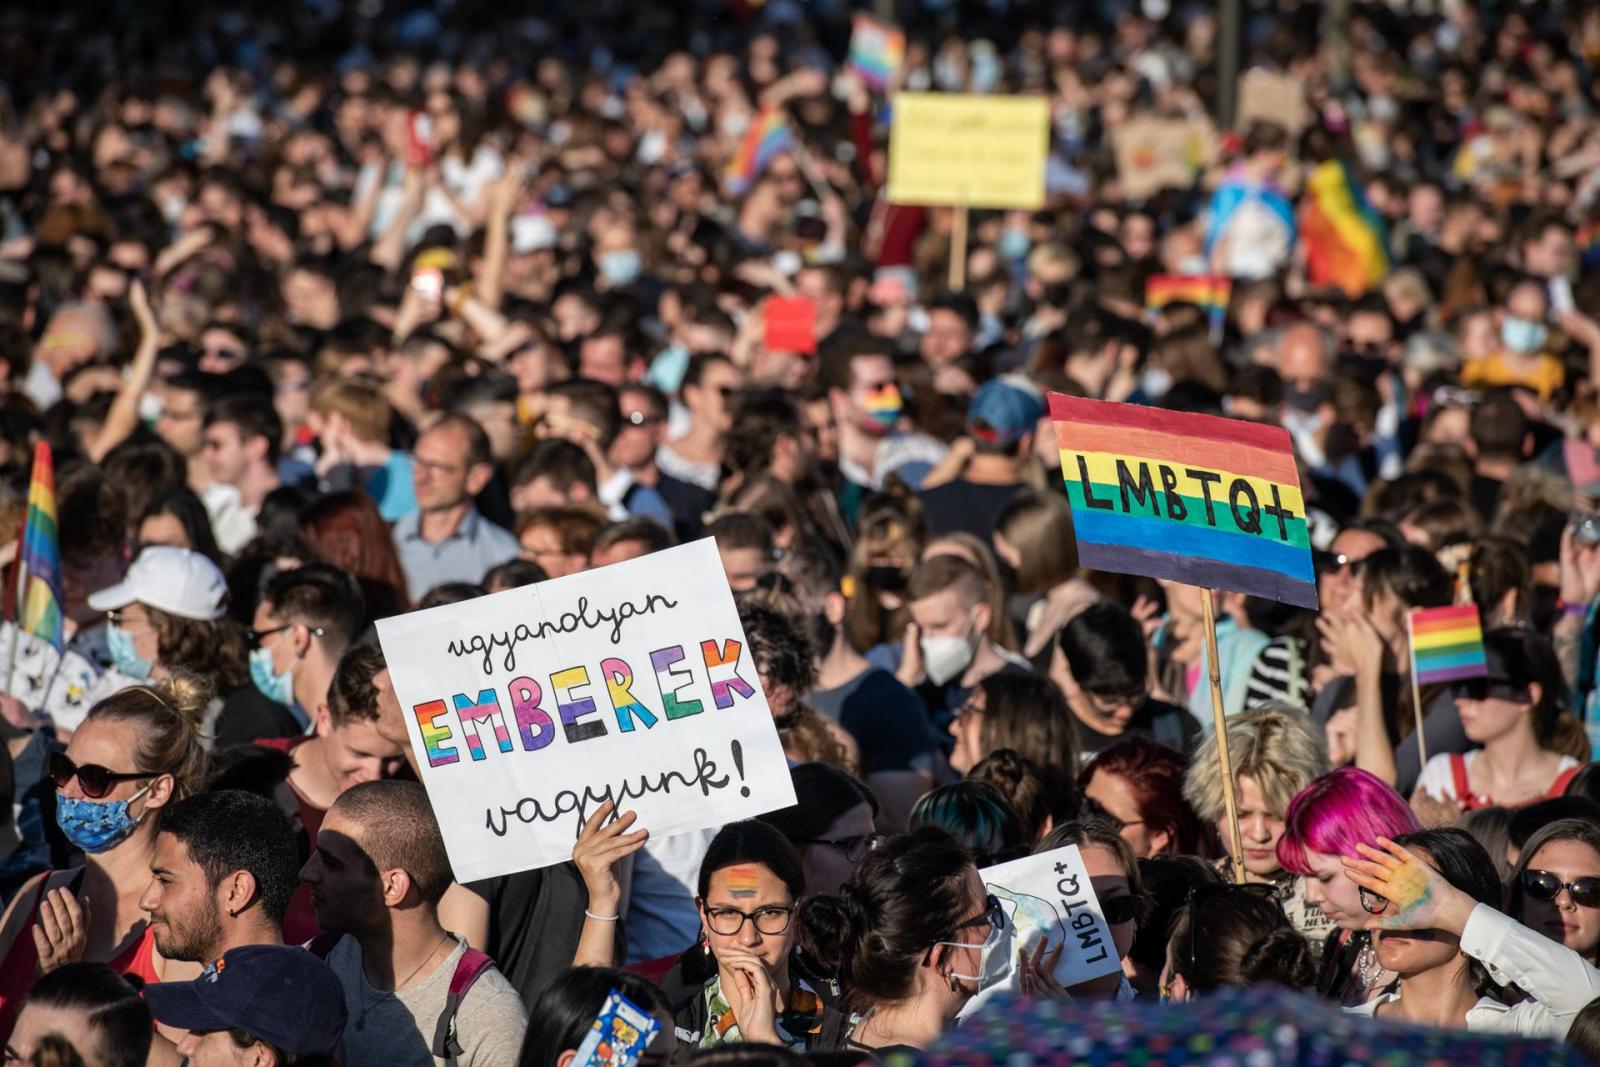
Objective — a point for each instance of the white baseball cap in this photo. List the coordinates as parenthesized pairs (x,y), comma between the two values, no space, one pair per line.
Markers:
(174,580)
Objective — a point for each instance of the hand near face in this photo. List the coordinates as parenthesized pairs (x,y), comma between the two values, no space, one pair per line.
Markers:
(1417,896)
(750,993)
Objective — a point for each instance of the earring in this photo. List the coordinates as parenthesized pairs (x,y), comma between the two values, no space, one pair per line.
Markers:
(705,946)
(955,986)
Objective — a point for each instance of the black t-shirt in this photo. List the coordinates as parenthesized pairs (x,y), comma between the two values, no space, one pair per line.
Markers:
(1156,719)
(535,918)
(886,719)
(248,716)
(963,506)
(688,503)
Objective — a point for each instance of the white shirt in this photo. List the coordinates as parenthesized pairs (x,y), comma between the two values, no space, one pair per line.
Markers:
(1559,981)
(1437,781)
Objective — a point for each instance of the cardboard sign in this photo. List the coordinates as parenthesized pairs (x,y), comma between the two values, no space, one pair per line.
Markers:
(633,683)
(1049,896)
(791,325)
(1158,153)
(958,149)
(1267,96)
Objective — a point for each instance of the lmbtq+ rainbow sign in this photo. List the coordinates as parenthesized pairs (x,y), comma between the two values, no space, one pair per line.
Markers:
(1208,501)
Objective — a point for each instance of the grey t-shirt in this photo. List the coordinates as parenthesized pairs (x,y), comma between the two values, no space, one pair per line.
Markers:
(396,1029)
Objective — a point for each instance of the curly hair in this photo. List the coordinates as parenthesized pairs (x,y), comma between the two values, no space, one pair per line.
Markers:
(780,647)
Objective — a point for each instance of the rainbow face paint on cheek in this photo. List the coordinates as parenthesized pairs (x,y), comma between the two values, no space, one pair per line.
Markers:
(743,882)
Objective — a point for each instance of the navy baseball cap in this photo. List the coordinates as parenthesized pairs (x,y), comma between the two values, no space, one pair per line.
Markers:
(279,994)
(1003,411)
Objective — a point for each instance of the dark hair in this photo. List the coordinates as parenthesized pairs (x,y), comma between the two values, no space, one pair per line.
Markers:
(1583,831)
(1465,864)
(742,529)
(250,767)
(1247,940)
(322,597)
(650,533)
(478,451)
(596,403)
(114,1009)
(559,460)
(753,841)
(822,794)
(1032,792)
(1491,828)
(1096,832)
(1166,880)
(449,593)
(778,645)
(1499,424)
(1027,713)
(352,697)
(979,816)
(400,831)
(565,1011)
(233,830)
(1412,573)
(1529,659)
(1154,774)
(1583,1035)
(253,417)
(1105,649)
(902,898)
(182,504)
(347,530)
(514,574)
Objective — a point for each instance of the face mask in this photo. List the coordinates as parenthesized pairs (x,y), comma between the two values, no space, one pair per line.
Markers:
(272,685)
(945,658)
(620,266)
(96,825)
(1306,400)
(1301,424)
(1522,336)
(1014,244)
(888,579)
(1155,381)
(994,956)
(668,368)
(124,657)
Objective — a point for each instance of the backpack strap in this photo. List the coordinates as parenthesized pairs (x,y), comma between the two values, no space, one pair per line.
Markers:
(1458,775)
(471,965)
(1559,786)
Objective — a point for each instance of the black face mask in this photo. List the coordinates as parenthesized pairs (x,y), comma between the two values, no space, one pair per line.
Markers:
(1360,365)
(1543,606)
(1307,400)
(1057,295)
(888,579)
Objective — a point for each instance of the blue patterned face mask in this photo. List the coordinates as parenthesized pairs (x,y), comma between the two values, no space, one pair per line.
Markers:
(96,825)
(124,655)
(273,685)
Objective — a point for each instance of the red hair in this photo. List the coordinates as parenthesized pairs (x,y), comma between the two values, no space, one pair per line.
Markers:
(347,531)
(1154,774)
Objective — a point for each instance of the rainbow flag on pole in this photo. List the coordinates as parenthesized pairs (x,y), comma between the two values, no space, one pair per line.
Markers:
(769,134)
(876,50)
(39,577)
(1345,239)
(1198,499)
(1446,644)
(1209,291)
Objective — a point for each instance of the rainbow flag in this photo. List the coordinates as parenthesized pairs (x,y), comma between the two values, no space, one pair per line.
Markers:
(876,50)
(1346,242)
(769,134)
(1209,291)
(1198,499)
(39,580)
(1446,644)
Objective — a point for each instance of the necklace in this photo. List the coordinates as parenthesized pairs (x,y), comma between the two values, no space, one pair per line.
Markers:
(1367,963)
(361,1016)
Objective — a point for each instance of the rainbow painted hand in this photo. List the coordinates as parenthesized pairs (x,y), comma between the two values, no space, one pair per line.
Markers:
(1416,897)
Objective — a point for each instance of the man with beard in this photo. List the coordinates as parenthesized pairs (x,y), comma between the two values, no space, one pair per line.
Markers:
(225,864)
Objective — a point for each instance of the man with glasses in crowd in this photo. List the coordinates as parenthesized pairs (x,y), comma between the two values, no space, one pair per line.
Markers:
(446,539)
(1104,670)
(306,619)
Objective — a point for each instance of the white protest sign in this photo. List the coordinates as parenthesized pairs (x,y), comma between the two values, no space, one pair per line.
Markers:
(1050,896)
(530,708)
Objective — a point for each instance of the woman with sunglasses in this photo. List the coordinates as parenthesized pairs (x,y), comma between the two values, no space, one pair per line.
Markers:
(1234,935)
(1555,886)
(1326,823)
(136,752)
(913,935)
(1123,902)
(1431,896)
(1516,714)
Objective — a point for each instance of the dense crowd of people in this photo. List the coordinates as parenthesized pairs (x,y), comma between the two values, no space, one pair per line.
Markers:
(330,313)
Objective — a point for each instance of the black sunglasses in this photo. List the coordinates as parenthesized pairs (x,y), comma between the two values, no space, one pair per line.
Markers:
(1489,689)
(1119,910)
(95,781)
(1543,885)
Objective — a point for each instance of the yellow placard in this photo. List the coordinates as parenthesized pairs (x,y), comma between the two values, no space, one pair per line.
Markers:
(981,151)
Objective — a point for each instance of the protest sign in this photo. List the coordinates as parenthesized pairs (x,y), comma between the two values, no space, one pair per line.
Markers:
(964,150)
(1209,501)
(1159,153)
(1268,96)
(529,708)
(790,325)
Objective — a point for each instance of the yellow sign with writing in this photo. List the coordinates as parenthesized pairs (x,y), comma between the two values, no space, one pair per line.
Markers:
(960,149)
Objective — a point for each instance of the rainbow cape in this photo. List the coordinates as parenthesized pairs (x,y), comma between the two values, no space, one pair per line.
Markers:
(1198,499)
(39,561)
(876,50)
(1446,644)
(769,134)
(1346,242)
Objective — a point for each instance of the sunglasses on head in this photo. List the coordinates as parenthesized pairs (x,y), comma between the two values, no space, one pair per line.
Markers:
(1489,689)
(1543,885)
(95,781)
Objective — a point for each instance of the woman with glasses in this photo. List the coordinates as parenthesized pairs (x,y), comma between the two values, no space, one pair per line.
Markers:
(1516,714)
(1555,886)
(136,752)
(1431,896)
(913,935)
(1234,935)
(831,824)
(1140,784)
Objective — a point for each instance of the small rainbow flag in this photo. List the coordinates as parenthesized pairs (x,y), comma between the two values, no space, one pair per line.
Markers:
(39,579)
(876,50)
(1346,242)
(1446,644)
(1209,291)
(769,134)
(1198,499)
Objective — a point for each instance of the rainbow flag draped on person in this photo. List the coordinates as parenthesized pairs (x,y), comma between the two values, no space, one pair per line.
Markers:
(1198,499)
(769,134)
(39,561)
(1447,644)
(1346,242)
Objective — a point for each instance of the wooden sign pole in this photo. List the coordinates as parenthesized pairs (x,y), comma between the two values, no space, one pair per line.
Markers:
(958,248)
(1219,725)
(1416,693)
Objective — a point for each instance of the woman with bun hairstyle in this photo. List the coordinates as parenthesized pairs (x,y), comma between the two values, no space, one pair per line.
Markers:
(913,935)
(1234,935)
(137,751)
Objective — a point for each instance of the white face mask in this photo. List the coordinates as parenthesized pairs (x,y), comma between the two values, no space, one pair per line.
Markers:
(994,954)
(944,658)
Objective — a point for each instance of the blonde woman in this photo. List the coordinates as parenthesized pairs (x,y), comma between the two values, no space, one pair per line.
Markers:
(1276,751)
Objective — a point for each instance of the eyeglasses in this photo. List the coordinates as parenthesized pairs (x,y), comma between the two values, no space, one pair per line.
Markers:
(1372,903)
(1106,703)
(854,848)
(258,636)
(1543,885)
(1489,689)
(727,922)
(1330,562)
(1118,910)
(992,918)
(641,418)
(95,781)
